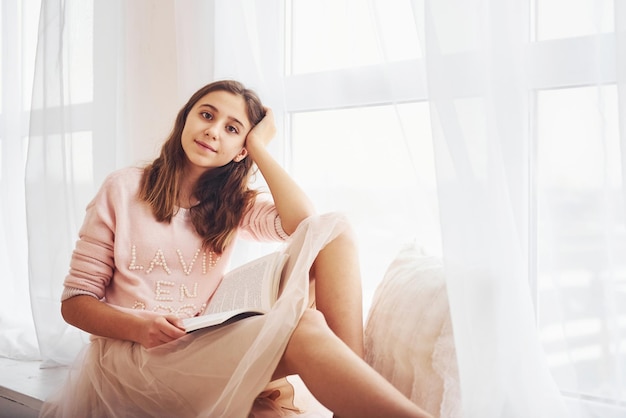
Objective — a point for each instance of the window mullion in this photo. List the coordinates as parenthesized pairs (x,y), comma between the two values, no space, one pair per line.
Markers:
(567,63)
(361,86)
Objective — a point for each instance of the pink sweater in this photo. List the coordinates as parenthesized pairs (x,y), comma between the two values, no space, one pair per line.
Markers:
(131,261)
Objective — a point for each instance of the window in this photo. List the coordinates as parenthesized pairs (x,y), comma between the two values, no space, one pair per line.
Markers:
(579,194)
(362,161)
(575,164)
(377,33)
(361,149)
(584,17)
(581,272)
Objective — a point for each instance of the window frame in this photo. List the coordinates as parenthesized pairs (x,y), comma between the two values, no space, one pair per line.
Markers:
(405,81)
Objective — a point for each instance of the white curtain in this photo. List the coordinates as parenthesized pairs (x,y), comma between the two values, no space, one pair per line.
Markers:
(105,95)
(531,210)
(110,76)
(480,106)
(17,338)
(53,183)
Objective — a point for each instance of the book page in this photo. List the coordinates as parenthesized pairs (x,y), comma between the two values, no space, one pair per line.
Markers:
(241,288)
(250,289)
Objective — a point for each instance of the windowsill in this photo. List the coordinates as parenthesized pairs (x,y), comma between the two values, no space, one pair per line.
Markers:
(592,408)
(24,385)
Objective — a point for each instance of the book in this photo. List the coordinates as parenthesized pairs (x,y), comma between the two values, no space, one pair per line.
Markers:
(250,289)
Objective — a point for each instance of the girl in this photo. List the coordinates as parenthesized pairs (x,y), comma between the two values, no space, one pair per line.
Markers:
(152,249)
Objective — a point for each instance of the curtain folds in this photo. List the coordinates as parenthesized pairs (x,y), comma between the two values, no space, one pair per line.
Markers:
(500,223)
(53,189)
(482,140)
(89,117)
(17,339)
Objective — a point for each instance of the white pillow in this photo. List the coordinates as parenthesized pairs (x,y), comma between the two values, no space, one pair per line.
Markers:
(408,334)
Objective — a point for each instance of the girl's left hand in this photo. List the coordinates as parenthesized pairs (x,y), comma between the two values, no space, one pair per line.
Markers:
(262,133)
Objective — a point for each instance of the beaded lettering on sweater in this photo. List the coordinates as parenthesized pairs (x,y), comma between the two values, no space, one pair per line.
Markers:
(163,288)
(159,260)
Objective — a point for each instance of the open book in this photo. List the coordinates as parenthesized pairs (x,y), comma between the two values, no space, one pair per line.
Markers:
(250,289)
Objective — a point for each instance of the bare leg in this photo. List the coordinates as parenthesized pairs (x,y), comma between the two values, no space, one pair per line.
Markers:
(338,292)
(337,377)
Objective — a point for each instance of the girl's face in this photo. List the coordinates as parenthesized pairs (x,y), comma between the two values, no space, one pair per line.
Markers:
(215,131)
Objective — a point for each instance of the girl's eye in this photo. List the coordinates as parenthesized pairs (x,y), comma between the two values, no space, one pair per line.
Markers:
(232,129)
(206,115)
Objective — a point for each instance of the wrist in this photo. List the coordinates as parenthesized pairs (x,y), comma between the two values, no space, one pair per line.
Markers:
(256,150)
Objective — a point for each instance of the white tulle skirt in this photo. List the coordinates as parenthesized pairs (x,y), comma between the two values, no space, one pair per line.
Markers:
(221,372)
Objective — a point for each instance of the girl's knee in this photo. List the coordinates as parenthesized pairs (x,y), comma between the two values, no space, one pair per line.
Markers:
(312,324)
(308,336)
(310,332)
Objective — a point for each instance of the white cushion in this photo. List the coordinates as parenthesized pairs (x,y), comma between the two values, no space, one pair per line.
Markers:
(408,334)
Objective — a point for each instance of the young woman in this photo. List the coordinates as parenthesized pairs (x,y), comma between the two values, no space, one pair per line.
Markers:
(152,249)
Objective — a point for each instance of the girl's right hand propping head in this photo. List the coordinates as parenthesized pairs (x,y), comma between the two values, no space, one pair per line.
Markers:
(161,330)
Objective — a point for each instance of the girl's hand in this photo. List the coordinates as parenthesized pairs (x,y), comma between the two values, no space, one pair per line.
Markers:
(262,133)
(161,330)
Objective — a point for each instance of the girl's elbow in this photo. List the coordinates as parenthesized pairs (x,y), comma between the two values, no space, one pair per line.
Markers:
(71,308)
(66,311)
(293,225)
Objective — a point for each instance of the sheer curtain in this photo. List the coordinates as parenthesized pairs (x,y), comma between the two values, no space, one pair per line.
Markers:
(484,94)
(105,95)
(58,175)
(530,185)
(17,338)
(529,177)
(480,105)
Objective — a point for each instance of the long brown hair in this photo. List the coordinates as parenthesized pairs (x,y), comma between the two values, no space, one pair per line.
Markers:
(223,193)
